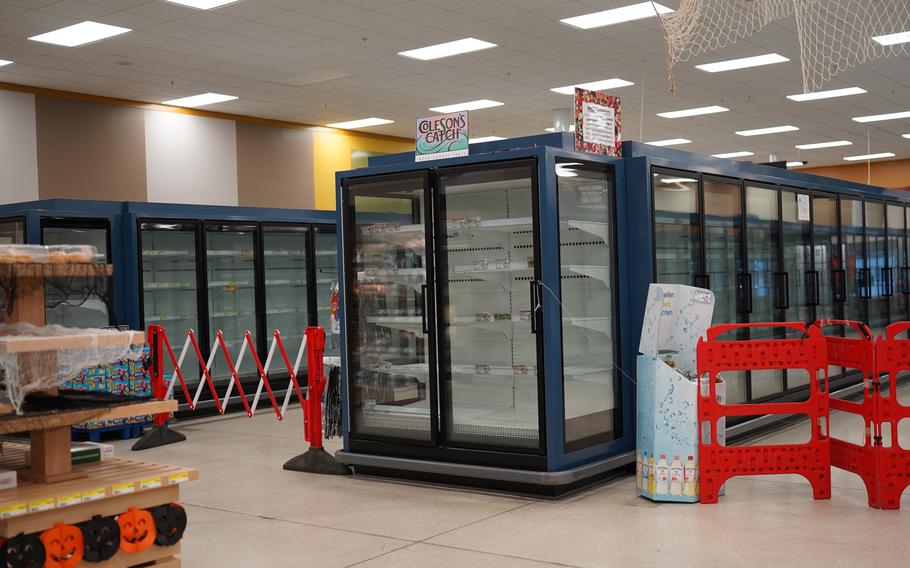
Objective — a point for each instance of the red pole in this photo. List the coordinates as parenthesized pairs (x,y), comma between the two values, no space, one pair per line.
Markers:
(159,389)
(312,410)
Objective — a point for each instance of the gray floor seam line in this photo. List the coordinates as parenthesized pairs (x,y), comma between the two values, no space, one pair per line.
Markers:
(453,547)
(302,523)
(424,540)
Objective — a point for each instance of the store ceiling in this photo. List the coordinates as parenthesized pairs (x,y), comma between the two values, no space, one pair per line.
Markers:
(263,51)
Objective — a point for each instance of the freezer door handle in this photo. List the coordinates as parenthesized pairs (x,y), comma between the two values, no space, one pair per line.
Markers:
(887,282)
(865,283)
(423,309)
(535,304)
(839,279)
(813,286)
(744,284)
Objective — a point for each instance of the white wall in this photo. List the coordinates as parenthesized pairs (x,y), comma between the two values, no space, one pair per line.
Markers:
(190,159)
(18,148)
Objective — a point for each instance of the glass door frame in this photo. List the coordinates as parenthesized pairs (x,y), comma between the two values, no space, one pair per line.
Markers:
(68,222)
(699,277)
(347,218)
(537,314)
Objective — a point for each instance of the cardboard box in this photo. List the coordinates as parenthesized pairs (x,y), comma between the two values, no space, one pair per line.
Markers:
(666,463)
(83,452)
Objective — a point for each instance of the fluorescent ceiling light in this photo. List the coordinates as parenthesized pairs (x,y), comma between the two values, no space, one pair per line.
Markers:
(80,34)
(551,129)
(769,130)
(4,62)
(629,13)
(669,142)
(741,154)
(869,156)
(200,100)
(818,145)
(693,111)
(613,83)
(795,164)
(905,135)
(448,49)
(470,105)
(880,117)
(827,94)
(678,180)
(361,123)
(892,39)
(484,139)
(203,4)
(743,63)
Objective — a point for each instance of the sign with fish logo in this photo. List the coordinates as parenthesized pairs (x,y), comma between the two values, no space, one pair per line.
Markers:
(442,136)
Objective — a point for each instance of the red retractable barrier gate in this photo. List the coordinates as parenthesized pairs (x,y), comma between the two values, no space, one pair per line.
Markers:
(719,463)
(315,460)
(857,353)
(892,357)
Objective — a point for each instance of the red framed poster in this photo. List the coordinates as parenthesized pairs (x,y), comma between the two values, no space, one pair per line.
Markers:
(598,123)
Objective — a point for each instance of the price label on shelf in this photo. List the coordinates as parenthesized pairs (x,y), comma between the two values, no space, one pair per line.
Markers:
(175,478)
(41,505)
(150,483)
(67,500)
(123,488)
(93,495)
(13,510)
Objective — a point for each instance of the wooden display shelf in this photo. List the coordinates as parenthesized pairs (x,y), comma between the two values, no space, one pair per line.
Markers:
(47,270)
(28,304)
(35,343)
(31,421)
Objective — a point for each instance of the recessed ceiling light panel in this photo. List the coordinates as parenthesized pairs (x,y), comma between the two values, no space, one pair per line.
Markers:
(360,123)
(740,154)
(619,15)
(448,49)
(869,156)
(470,105)
(200,100)
(881,117)
(742,63)
(670,142)
(769,130)
(80,34)
(484,139)
(818,145)
(795,164)
(802,97)
(4,62)
(693,112)
(892,39)
(614,83)
(203,4)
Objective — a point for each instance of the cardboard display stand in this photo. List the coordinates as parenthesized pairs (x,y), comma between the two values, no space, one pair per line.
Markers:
(666,463)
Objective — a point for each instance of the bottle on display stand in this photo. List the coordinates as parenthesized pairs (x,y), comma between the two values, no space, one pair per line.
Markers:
(662,485)
(676,477)
(690,473)
(651,475)
(638,474)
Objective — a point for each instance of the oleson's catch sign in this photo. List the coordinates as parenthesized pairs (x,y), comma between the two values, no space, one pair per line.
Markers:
(442,136)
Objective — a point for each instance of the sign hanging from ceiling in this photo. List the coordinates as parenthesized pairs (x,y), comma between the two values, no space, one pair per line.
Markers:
(442,136)
(598,123)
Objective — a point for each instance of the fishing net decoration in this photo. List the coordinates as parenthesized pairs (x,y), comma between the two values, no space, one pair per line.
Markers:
(833,35)
(24,373)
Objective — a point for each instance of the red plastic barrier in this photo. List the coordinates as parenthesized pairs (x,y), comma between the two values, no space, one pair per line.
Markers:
(719,463)
(857,353)
(892,358)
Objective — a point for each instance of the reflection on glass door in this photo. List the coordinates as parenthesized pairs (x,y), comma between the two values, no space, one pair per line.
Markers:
(284,258)
(897,254)
(591,386)
(856,273)
(231,280)
(489,293)
(827,257)
(78,302)
(389,309)
(169,284)
(878,284)
(12,231)
(802,279)
(677,229)
(763,285)
(327,292)
(724,262)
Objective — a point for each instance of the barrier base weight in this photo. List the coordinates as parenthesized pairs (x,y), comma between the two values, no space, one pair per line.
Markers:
(317,460)
(158,436)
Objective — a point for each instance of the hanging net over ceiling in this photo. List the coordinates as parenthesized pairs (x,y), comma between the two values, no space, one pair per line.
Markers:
(834,35)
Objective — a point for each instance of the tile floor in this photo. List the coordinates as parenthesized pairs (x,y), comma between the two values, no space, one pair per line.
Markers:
(245,511)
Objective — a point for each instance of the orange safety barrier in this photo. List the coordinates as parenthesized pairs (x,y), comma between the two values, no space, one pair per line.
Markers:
(892,358)
(719,463)
(857,353)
